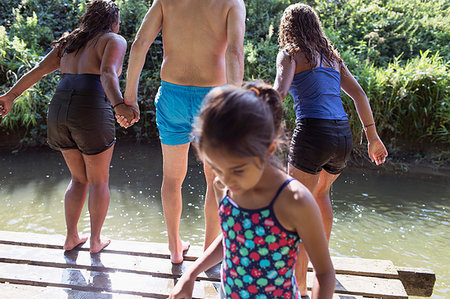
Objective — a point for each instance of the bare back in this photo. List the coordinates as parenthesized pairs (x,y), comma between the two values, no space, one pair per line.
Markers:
(87,60)
(195,40)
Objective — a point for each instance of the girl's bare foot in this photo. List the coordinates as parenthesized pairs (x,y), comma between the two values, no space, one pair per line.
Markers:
(98,245)
(177,256)
(72,242)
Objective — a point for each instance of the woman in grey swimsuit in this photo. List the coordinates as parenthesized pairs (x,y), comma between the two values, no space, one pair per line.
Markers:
(80,120)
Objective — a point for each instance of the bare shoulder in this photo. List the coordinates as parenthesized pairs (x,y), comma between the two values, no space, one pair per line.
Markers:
(295,202)
(114,37)
(284,57)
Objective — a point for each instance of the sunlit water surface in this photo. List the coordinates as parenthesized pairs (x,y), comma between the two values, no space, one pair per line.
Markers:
(378,215)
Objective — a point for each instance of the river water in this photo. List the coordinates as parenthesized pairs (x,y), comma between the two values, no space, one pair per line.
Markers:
(377,214)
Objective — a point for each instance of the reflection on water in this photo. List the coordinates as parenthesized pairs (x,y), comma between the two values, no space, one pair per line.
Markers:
(377,215)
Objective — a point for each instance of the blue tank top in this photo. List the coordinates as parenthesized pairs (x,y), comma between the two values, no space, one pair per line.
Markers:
(317,93)
(259,253)
(80,82)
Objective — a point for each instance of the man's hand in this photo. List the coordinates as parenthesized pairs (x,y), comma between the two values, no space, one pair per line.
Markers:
(126,115)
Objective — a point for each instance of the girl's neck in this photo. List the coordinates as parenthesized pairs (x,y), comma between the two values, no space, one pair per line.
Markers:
(263,192)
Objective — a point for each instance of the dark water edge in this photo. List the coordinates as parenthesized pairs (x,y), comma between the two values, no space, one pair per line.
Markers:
(405,164)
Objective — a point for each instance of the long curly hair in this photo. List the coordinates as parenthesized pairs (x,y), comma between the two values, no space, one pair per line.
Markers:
(99,18)
(301,31)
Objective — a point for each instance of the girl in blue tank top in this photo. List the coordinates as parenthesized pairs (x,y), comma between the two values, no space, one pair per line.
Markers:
(312,71)
(264,213)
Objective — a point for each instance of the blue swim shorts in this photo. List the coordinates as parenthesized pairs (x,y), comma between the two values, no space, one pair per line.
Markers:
(176,108)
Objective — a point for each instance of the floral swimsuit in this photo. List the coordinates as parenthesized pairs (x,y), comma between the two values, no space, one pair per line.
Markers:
(259,253)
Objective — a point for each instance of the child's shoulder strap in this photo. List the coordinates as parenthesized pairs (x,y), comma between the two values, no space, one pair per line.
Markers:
(285,183)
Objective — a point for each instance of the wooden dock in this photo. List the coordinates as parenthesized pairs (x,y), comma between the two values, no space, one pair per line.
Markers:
(36,266)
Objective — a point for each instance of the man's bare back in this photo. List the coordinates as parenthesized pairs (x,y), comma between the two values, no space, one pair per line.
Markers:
(195,40)
(202,42)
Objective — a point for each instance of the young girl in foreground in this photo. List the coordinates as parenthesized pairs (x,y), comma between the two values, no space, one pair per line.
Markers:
(264,213)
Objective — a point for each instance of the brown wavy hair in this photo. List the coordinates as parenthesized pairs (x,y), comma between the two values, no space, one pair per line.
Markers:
(99,18)
(301,31)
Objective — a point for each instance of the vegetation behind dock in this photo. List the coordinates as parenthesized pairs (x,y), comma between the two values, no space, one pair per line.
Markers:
(399,52)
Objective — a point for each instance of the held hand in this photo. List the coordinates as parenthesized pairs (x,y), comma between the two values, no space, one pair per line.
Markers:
(125,115)
(377,151)
(5,105)
(131,100)
(183,289)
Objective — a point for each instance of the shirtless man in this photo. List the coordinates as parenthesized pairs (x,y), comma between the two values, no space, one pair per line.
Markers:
(203,48)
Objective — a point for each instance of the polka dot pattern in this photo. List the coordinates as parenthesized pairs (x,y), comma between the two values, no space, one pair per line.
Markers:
(259,254)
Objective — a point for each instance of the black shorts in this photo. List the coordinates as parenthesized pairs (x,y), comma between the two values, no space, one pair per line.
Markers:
(80,119)
(320,144)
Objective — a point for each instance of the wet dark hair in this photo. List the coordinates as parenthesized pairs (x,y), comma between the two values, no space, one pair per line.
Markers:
(99,18)
(301,31)
(242,121)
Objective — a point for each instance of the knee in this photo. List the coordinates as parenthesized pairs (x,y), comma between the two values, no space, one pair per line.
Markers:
(79,181)
(172,182)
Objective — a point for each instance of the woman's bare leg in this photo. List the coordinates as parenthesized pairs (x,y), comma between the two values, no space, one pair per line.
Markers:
(301,266)
(75,197)
(97,171)
(319,185)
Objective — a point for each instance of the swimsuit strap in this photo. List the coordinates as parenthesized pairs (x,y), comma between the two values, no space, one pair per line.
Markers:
(322,57)
(281,189)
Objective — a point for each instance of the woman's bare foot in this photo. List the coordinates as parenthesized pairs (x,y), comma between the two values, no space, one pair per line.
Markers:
(176,256)
(98,245)
(72,242)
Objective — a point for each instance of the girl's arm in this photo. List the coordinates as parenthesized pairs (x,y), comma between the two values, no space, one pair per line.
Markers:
(299,211)
(48,64)
(285,74)
(211,257)
(376,149)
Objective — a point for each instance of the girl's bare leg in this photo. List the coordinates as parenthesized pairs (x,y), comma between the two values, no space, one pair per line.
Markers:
(97,171)
(75,197)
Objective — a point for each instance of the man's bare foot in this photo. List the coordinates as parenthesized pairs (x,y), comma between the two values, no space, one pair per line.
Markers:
(98,245)
(177,256)
(72,242)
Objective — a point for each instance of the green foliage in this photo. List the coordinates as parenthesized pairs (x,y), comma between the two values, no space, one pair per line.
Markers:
(379,30)
(410,100)
(398,51)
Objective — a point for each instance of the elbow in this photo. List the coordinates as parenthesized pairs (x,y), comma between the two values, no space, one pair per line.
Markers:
(107,75)
(282,94)
(140,44)
(235,52)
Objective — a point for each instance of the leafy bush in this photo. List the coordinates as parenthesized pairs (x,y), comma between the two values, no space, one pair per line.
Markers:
(398,51)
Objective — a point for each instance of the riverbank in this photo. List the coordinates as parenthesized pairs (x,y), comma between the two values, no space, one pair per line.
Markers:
(398,163)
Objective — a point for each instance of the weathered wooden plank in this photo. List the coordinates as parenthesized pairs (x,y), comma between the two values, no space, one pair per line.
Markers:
(417,282)
(364,267)
(367,286)
(116,246)
(345,284)
(8,291)
(342,265)
(349,266)
(107,262)
(95,281)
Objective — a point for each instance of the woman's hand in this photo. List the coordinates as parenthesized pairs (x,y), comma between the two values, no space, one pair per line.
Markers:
(126,115)
(377,151)
(5,105)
